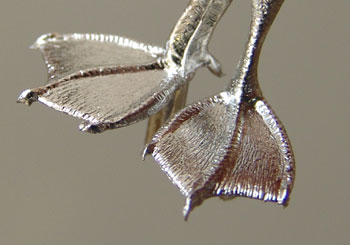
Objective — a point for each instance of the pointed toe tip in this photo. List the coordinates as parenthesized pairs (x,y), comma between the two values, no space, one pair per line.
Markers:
(214,66)
(144,153)
(188,208)
(27,97)
(222,74)
(186,216)
(43,39)
(218,73)
(92,128)
(88,128)
(39,41)
(147,151)
(284,203)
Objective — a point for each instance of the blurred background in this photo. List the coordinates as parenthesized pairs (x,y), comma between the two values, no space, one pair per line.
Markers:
(61,186)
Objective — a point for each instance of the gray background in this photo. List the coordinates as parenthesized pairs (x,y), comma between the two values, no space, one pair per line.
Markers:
(61,186)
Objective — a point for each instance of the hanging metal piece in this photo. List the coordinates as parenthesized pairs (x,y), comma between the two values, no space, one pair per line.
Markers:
(203,15)
(111,82)
(231,144)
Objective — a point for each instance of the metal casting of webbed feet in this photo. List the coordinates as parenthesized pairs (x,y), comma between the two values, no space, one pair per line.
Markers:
(231,144)
(110,81)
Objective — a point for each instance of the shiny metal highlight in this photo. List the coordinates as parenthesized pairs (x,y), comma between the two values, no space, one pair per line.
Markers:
(111,81)
(231,144)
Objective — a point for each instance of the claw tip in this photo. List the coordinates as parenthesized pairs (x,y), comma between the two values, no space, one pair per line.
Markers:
(85,127)
(44,39)
(145,152)
(27,97)
(188,208)
(214,66)
(91,128)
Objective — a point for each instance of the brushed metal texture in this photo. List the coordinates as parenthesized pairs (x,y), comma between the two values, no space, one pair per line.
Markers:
(231,144)
(111,81)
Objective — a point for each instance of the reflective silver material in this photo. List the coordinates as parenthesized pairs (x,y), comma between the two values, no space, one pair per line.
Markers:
(110,81)
(231,144)
(196,53)
(68,53)
(188,43)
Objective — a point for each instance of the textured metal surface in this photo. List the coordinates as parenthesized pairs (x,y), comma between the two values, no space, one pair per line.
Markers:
(231,144)
(188,49)
(188,43)
(110,81)
(69,53)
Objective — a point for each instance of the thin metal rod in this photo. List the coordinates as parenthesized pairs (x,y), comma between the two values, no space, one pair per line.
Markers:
(157,120)
(263,15)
